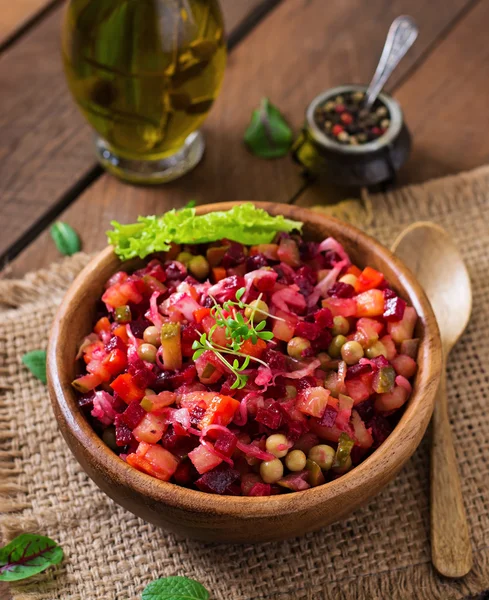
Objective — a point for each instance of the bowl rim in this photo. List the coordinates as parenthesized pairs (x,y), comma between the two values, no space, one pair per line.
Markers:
(381,462)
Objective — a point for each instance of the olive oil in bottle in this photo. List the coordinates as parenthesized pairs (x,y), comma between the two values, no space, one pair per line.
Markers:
(145,74)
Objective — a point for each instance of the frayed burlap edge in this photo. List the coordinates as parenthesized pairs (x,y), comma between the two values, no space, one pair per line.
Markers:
(15,293)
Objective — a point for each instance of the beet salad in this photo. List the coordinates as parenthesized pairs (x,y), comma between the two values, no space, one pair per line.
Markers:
(243,368)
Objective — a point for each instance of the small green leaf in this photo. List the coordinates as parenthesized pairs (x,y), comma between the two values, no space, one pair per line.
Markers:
(28,555)
(65,238)
(191,204)
(235,363)
(35,361)
(268,134)
(175,588)
(246,363)
(239,293)
(260,326)
(266,335)
(203,338)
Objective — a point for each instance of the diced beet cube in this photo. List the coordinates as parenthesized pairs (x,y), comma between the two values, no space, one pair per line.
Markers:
(260,489)
(144,378)
(324,318)
(171,380)
(295,429)
(304,383)
(357,370)
(123,435)
(180,445)
(234,255)
(133,415)
(185,473)
(196,413)
(275,360)
(308,250)
(233,490)
(394,308)
(189,335)
(388,293)
(138,326)
(285,273)
(217,480)
(329,417)
(226,442)
(381,429)
(310,331)
(85,402)
(175,270)
(366,409)
(322,342)
(341,290)
(305,278)
(114,343)
(357,454)
(253,263)
(276,391)
(271,416)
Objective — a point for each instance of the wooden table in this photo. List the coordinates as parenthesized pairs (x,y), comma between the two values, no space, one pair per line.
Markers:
(288,50)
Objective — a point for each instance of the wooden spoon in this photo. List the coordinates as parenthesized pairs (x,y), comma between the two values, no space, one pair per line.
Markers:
(432,256)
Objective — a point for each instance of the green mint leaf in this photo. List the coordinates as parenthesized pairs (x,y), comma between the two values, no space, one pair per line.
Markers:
(240,292)
(244,223)
(268,134)
(65,238)
(28,555)
(175,588)
(35,361)
(191,204)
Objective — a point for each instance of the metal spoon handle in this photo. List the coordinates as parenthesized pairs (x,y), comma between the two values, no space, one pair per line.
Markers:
(401,36)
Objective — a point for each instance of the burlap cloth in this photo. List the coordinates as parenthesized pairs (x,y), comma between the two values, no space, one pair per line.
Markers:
(382,551)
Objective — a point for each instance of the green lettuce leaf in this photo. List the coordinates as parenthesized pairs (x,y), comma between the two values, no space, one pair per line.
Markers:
(243,223)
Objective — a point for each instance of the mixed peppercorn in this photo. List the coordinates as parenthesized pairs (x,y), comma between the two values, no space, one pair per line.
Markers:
(345,120)
(248,370)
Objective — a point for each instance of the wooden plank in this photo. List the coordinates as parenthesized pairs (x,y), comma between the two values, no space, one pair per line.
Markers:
(445,103)
(444,106)
(292,55)
(16,14)
(46,145)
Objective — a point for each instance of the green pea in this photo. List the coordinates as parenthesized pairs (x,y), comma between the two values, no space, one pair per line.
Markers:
(337,342)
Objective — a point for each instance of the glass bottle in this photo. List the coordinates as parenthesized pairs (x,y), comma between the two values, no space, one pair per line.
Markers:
(145,74)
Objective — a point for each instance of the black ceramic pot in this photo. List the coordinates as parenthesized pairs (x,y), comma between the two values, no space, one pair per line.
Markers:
(363,164)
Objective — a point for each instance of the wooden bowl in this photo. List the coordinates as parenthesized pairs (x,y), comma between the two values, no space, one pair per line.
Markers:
(227,518)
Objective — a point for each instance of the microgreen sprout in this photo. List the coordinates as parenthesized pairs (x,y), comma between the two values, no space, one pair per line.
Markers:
(238,331)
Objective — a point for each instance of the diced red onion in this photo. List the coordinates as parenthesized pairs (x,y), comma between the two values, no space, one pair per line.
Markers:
(332,244)
(154,313)
(289,296)
(325,284)
(103,408)
(305,372)
(254,451)
(212,450)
